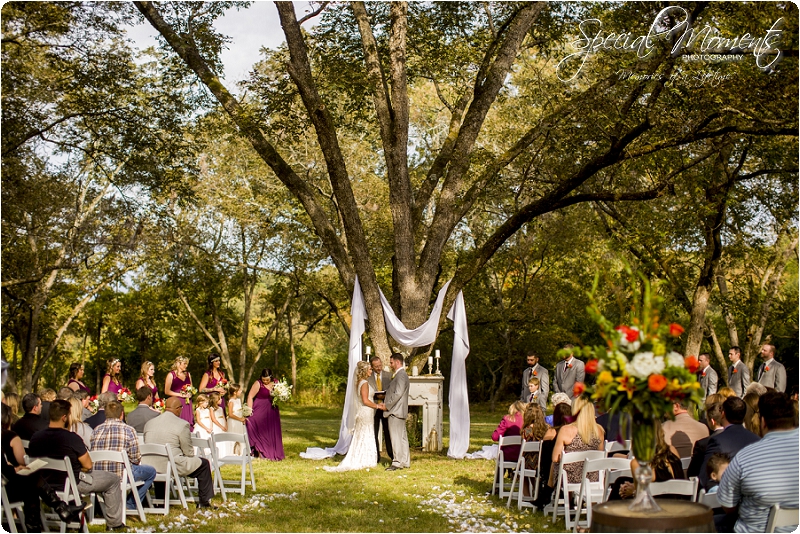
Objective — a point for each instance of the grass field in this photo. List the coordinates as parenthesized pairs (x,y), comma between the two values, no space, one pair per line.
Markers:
(437,494)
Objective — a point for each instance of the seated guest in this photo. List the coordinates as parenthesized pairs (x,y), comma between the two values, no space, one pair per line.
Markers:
(534,429)
(752,420)
(57,442)
(665,465)
(684,431)
(100,417)
(47,395)
(582,435)
(144,411)
(558,398)
(12,401)
(32,421)
(734,438)
(562,415)
(170,430)
(727,392)
(714,423)
(510,425)
(755,387)
(65,393)
(115,435)
(765,472)
(716,466)
(76,424)
(83,397)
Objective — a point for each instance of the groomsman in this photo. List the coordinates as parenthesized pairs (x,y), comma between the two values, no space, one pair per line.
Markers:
(707,376)
(379,380)
(738,373)
(535,370)
(772,373)
(568,371)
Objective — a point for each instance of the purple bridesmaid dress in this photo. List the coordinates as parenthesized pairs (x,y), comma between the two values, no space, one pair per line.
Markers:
(212,382)
(80,386)
(187,413)
(113,387)
(264,426)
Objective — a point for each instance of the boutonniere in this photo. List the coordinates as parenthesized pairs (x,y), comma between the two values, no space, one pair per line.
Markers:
(766,368)
(569,366)
(735,370)
(704,374)
(535,373)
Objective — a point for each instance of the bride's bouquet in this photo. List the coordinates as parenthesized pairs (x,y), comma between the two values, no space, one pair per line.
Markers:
(282,392)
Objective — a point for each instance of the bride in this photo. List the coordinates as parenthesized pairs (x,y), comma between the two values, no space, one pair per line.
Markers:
(361,453)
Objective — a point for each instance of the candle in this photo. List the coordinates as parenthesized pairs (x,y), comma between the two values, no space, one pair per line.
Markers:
(437,353)
(430,364)
(369,350)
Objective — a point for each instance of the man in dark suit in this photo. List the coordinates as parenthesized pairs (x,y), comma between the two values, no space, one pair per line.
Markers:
(143,412)
(714,423)
(569,371)
(707,376)
(32,421)
(534,369)
(734,438)
(738,372)
(772,373)
(100,417)
(379,380)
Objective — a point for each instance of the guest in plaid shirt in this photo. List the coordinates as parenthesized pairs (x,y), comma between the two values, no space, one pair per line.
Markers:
(115,435)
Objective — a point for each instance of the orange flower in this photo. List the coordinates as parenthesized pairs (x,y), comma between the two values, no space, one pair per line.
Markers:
(578,389)
(591,367)
(675,330)
(692,363)
(656,383)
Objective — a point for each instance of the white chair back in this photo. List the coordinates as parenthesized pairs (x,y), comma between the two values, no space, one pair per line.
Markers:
(527,476)
(206,448)
(128,484)
(170,478)
(781,517)
(8,511)
(69,493)
(570,489)
(597,492)
(245,459)
(675,487)
(501,464)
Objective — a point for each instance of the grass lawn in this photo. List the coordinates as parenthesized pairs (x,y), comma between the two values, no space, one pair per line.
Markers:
(437,494)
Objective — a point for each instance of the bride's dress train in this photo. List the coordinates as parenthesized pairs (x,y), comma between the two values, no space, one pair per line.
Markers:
(361,453)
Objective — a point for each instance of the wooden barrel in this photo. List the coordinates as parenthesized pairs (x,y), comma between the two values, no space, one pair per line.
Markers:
(675,516)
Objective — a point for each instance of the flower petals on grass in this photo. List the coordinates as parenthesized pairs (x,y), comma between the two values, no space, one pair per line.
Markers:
(466,513)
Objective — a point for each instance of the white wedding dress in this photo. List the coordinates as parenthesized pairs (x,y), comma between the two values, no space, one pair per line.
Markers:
(362,452)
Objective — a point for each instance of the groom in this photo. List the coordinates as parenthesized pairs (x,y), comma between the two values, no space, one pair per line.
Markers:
(396,412)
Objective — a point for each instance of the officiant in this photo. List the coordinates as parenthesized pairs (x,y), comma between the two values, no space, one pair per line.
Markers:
(380,381)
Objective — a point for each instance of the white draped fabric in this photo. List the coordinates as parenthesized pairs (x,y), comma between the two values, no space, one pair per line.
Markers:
(421,336)
(459,403)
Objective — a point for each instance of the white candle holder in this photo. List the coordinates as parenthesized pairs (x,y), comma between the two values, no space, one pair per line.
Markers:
(438,372)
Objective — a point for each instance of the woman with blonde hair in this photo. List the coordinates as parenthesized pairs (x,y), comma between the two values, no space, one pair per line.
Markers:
(510,425)
(582,435)
(726,392)
(146,379)
(177,379)
(12,401)
(361,454)
(76,424)
(752,418)
(113,380)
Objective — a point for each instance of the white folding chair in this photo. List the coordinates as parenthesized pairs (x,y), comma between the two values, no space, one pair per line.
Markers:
(501,464)
(206,448)
(68,493)
(613,446)
(675,487)
(709,499)
(685,464)
(170,478)
(128,482)
(569,489)
(781,517)
(596,492)
(525,475)
(245,460)
(8,511)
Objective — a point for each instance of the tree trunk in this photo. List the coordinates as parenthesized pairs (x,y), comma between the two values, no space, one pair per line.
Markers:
(291,347)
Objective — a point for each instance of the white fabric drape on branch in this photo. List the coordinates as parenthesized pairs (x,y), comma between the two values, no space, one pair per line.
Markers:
(459,403)
(423,335)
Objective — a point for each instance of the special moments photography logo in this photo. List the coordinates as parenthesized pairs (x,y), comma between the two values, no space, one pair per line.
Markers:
(674,22)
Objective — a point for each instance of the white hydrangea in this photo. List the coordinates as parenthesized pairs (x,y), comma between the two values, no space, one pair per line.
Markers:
(674,360)
(644,364)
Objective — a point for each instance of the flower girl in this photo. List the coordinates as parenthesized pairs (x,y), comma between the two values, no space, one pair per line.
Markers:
(219,423)
(236,419)
(202,418)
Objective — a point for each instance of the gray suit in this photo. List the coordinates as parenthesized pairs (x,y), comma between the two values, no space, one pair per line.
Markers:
(775,377)
(397,412)
(709,381)
(566,377)
(172,431)
(544,384)
(386,379)
(739,380)
(140,416)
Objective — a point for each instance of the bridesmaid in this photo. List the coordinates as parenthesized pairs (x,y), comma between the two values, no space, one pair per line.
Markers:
(176,379)
(146,379)
(113,380)
(75,376)
(264,426)
(210,382)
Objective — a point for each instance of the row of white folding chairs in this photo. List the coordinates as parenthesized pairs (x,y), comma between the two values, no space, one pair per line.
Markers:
(68,493)
(209,448)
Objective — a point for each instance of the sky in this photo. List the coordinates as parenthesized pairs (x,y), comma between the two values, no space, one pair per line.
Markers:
(250,29)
